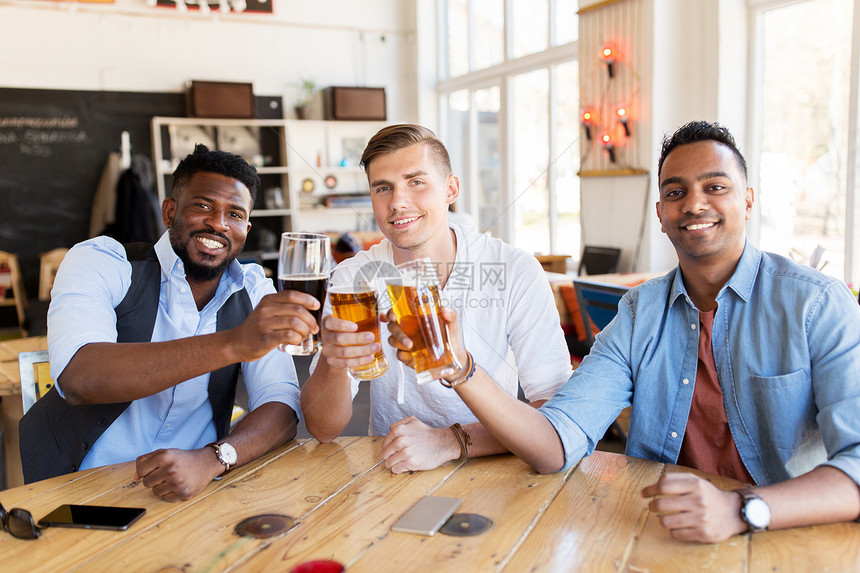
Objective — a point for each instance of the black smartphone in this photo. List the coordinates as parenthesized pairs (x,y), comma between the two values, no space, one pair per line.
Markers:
(93,517)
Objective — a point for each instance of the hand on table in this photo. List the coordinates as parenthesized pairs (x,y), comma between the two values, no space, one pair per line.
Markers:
(412,445)
(693,509)
(177,475)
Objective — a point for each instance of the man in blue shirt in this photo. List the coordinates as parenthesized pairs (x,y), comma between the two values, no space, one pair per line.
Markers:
(172,418)
(737,354)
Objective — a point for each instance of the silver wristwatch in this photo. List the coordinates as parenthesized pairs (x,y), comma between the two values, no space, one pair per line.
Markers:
(226,454)
(754,510)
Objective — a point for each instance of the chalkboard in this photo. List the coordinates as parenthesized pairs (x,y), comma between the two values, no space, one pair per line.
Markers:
(53,149)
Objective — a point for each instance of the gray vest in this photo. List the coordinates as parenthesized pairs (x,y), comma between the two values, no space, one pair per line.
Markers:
(55,437)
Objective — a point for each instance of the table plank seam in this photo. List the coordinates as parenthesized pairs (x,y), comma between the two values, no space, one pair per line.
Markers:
(538,515)
(639,528)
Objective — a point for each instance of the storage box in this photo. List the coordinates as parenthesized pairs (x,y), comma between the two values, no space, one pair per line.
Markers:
(220,100)
(355,104)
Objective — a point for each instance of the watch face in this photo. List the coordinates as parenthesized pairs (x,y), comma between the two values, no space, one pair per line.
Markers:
(228,453)
(757,513)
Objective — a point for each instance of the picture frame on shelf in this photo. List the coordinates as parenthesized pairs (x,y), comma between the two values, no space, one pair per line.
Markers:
(183,138)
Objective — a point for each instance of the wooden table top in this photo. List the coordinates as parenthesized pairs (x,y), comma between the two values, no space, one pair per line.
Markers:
(344,501)
(10,376)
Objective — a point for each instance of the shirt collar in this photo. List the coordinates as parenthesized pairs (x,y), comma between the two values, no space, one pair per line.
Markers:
(741,282)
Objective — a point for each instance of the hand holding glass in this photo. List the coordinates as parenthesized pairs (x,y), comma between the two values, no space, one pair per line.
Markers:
(416,301)
(304,261)
(354,299)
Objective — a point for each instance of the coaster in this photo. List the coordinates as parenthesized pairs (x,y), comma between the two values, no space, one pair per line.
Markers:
(466,525)
(263,526)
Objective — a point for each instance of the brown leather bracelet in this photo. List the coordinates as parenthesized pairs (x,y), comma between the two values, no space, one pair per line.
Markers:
(464,439)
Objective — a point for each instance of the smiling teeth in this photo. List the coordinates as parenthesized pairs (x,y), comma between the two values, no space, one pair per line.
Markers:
(700,226)
(209,243)
(404,221)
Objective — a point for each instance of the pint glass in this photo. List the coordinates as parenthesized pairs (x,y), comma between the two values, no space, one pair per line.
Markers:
(304,263)
(354,299)
(416,301)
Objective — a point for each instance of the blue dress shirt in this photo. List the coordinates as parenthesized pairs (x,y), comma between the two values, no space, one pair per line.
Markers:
(93,278)
(786,342)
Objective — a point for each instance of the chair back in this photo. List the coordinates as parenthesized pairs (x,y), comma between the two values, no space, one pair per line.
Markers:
(598,260)
(598,304)
(35,376)
(12,288)
(48,264)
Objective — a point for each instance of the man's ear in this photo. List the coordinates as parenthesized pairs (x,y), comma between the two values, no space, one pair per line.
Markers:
(168,210)
(452,191)
(660,216)
(749,199)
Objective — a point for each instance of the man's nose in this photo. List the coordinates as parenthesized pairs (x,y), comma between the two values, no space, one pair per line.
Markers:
(218,219)
(696,201)
(399,198)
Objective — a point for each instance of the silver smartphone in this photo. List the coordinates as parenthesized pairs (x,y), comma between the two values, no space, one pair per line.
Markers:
(427,515)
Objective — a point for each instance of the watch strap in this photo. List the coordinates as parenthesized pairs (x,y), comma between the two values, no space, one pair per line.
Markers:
(748,495)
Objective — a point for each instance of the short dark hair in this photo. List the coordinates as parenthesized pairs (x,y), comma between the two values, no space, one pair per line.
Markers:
(221,162)
(400,136)
(696,131)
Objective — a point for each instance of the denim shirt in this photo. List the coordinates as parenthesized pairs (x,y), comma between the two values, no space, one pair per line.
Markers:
(786,342)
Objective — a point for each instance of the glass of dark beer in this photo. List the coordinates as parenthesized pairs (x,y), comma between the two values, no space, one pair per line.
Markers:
(354,298)
(304,264)
(416,300)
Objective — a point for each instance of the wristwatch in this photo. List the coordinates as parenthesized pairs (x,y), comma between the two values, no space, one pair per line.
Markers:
(754,510)
(226,454)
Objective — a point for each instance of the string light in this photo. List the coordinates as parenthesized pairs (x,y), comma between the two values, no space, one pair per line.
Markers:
(623,120)
(608,57)
(587,122)
(609,147)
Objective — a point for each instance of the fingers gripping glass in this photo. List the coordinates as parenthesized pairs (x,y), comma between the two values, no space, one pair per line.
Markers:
(19,523)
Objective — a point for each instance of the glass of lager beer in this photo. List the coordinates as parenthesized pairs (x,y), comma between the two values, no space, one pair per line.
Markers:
(416,301)
(353,298)
(304,264)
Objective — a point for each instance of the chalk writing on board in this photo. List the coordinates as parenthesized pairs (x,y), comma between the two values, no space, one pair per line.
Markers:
(36,136)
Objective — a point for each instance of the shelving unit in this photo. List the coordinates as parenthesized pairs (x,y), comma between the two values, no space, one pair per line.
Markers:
(313,164)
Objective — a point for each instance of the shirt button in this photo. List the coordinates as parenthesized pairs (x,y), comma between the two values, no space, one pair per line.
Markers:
(674,434)
(685,381)
(693,326)
(182,290)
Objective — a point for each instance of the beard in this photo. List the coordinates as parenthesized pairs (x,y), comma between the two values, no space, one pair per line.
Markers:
(193,270)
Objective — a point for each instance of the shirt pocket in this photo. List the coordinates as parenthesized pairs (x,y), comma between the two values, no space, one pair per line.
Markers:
(784,409)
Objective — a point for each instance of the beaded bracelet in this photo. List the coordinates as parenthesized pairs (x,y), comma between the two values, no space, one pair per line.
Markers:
(470,368)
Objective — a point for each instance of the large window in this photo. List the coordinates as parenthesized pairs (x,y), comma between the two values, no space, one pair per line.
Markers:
(510,102)
(805,92)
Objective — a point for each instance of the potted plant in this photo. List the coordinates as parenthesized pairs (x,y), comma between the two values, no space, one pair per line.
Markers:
(306,94)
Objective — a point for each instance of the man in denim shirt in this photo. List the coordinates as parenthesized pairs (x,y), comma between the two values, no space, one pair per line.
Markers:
(737,362)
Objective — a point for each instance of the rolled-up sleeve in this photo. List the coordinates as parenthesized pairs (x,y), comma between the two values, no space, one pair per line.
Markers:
(92,279)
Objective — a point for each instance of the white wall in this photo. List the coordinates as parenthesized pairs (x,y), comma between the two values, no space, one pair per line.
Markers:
(129,46)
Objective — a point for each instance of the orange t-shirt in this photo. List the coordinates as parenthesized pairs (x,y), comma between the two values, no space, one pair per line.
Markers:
(708,444)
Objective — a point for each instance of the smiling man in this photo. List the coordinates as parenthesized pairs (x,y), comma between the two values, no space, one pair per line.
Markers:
(500,295)
(146,343)
(738,362)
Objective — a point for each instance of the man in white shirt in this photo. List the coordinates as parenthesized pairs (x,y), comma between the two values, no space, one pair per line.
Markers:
(504,303)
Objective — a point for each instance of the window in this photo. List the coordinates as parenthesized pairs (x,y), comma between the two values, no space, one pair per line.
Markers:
(804,125)
(510,104)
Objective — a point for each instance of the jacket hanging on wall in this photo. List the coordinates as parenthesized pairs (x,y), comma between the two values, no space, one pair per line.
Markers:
(138,215)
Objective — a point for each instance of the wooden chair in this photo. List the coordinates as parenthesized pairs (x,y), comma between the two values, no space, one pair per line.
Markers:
(35,376)
(48,264)
(10,279)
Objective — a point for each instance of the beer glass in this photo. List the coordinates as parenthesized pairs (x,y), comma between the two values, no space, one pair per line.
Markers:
(416,301)
(304,263)
(353,298)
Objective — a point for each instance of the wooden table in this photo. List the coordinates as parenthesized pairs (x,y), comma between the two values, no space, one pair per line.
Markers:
(591,518)
(10,400)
